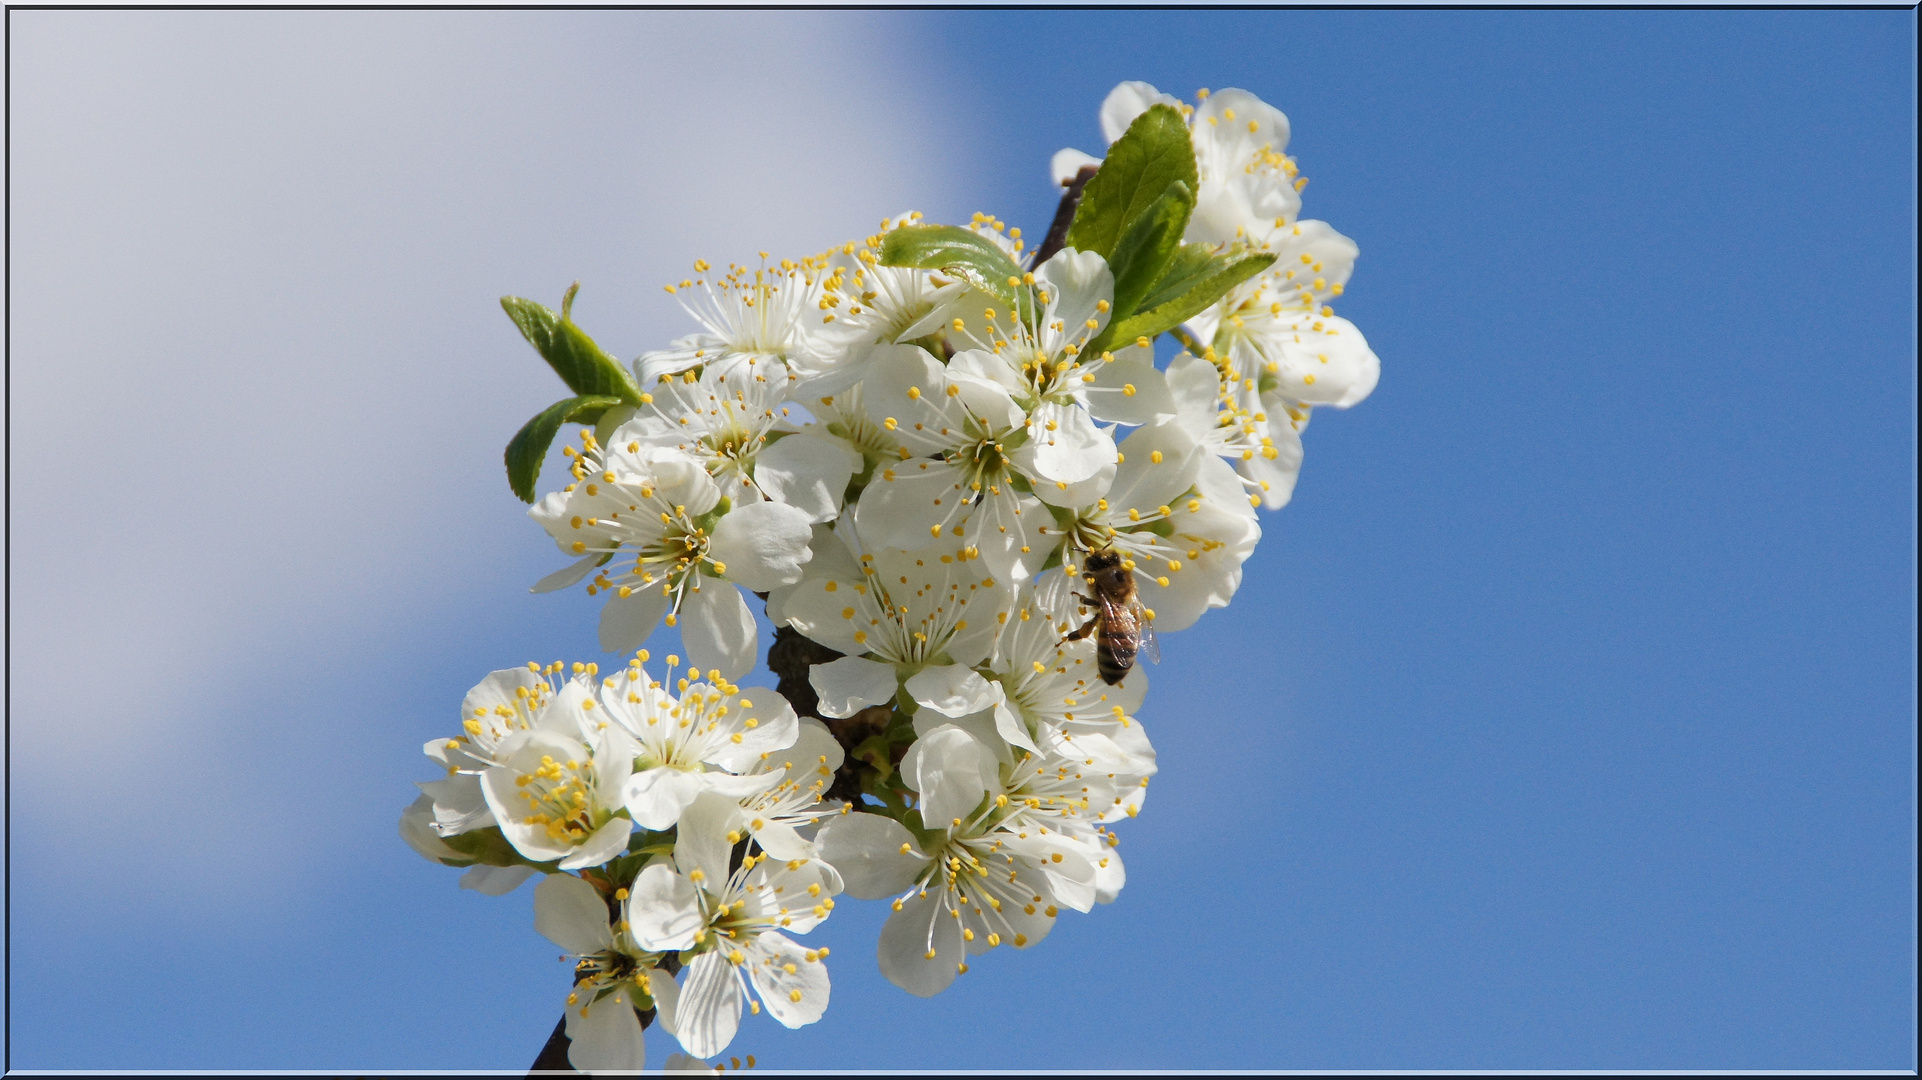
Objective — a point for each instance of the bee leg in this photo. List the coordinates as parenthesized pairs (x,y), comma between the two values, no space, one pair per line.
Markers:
(1086,629)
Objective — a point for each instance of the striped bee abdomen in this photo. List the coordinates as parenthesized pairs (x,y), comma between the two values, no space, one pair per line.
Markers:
(1114,655)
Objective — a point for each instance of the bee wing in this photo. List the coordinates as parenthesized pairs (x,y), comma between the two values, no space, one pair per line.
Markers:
(1148,643)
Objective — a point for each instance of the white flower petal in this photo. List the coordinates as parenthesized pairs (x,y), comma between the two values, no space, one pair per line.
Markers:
(1326,362)
(1210,578)
(606,1036)
(981,725)
(663,910)
(1075,496)
(417,828)
(569,574)
(910,504)
(495,880)
(656,797)
(1124,103)
(780,840)
(825,611)
(709,1010)
(981,365)
(952,771)
(667,999)
(1078,283)
(1068,163)
(950,690)
(1330,262)
(1221,490)
(459,805)
(626,621)
(1064,445)
(718,629)
(796,997)
(1158,465)
(1128,390)
(1275,476)
(503,797)
(812,743)
(1195,386)
(571,913)
(850,684)
(763,544)
(1270,125)
(785,894)
(601,845)
(736,787)
(1110,876)
(809,471)
(774,728)
(921,948)
(875,855)
(1011,729)
(701,844)
(906,394)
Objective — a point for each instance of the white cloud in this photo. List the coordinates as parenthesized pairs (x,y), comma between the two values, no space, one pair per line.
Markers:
(259,382)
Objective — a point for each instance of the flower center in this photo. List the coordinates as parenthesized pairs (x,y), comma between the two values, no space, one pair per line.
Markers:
(556,796)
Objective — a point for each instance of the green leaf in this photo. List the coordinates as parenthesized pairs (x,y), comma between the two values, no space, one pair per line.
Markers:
(962,252)
(1223,272)
(529,446)
(585,367)
(1192,264)
(1154,153)
(1147,247)
(489,847)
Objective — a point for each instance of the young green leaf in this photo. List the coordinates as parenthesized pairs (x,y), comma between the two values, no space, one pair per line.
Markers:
(1191,264)
(1154,153)
(584,366)
(529,446)
(1224,272)
(1146,248)
(957,251)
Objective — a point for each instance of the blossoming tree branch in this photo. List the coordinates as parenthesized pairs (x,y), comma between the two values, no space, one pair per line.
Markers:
(968,496)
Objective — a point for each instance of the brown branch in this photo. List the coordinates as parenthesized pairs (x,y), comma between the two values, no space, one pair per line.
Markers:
(1057,237)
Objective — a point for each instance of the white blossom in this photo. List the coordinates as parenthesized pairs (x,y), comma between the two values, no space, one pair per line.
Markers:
(556,793)
(657,533)
(998,872)
(746,314)
(706,739)
(865,303)
(777,817)
(613,979)
(913,466)
(726,924)
(893,613)
(506,702)
(961,429)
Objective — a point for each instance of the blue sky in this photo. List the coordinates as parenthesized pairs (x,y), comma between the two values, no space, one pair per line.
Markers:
(1565,719)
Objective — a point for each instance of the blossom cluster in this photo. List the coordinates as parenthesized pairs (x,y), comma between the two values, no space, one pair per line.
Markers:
(956,469)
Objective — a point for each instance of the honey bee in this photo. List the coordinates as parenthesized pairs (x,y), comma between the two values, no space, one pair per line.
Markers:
(1121,626)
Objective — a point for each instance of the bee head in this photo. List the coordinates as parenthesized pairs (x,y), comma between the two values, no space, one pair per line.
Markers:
(1099,561)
